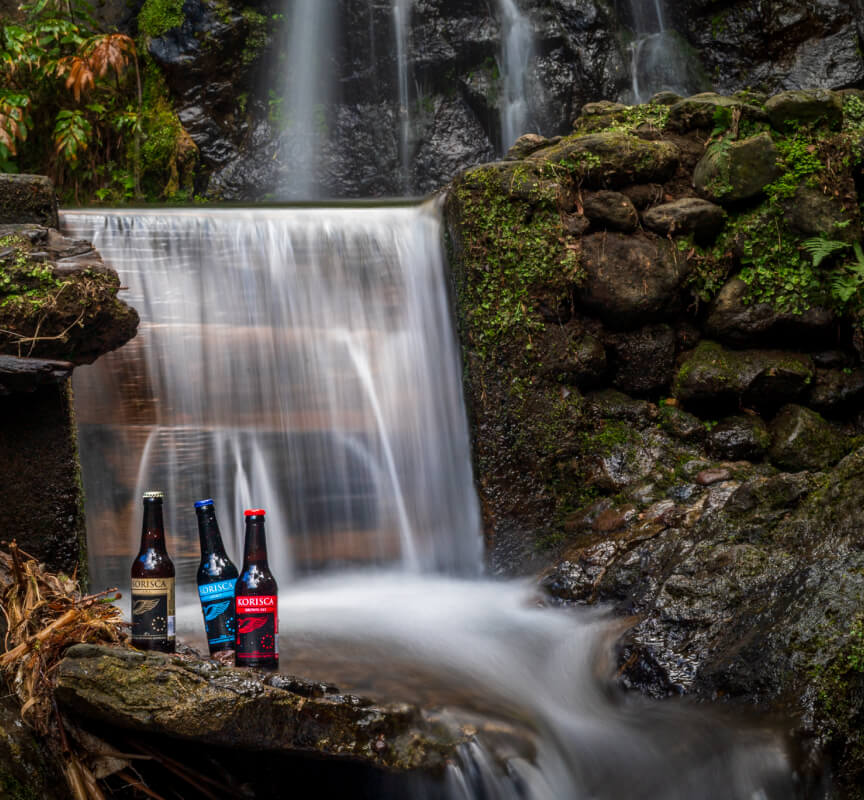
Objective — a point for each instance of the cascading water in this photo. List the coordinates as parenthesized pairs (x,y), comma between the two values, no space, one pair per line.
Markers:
(516,55)
(283,360)
(401,25)
(304,93)
(659,58)
(304,359)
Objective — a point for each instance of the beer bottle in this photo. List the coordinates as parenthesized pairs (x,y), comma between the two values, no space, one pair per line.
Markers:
(153,583)
(256,602)
(216,578)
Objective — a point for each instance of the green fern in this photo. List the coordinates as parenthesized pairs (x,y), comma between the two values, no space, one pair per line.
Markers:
(821,248)
(847,281)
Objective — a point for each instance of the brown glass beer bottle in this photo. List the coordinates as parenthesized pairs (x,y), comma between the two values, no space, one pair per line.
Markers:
(256,601)
(153,583)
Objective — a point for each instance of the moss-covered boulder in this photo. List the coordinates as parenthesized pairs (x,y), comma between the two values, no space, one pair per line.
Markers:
(701,111)
(736,171)
(806,106)
(611,210)
(801,439)
(739,438)
(609,159)
(200,701)
(712,373)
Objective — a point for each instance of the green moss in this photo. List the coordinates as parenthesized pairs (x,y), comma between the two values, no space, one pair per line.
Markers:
(257,37)
(25,283)
(159,16)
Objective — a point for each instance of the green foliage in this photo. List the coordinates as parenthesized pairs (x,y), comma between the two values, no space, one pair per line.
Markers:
(821,248)
(159,16)
(800,155)
(72,133)
(257,37)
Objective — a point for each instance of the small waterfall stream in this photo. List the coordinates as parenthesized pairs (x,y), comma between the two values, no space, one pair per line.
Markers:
(516,54)
(401,27)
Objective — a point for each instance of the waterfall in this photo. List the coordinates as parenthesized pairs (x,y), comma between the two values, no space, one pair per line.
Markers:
(516,55)
(301,360)
(401,27)
(304,94)
(660,60)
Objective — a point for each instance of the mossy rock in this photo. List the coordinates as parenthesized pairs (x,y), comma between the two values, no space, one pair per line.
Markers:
(805,106)
(739,438)
(681,424)
(611,210)
(732,172)
(689,215)
(700,112)
(609,159)
(802,440)
(813,211)
(712,373)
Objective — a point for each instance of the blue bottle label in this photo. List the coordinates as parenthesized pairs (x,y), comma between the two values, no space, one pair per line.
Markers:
(217,604)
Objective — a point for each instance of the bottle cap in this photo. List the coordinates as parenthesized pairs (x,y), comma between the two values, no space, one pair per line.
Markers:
(254,512)
(153,495)
(202,503)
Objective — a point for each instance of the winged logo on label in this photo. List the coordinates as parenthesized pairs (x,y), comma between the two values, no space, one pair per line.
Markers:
(215,610)
(251,624)
(144,606)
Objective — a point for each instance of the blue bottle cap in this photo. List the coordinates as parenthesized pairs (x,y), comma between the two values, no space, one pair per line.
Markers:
(202,503)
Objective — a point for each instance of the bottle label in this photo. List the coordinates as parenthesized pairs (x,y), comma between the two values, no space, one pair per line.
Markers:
(217,603)
(257,627)
(153,608)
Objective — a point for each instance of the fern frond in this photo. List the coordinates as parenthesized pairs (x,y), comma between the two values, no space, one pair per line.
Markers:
(821,248)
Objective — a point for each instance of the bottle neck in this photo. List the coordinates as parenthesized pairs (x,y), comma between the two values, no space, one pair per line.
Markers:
(255,547)
(208,532)
(153,527)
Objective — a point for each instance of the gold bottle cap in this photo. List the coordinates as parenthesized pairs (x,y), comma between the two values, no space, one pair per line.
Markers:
(153,495)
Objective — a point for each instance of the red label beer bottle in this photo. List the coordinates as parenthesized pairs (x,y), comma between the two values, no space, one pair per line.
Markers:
(256,601)
(153,583)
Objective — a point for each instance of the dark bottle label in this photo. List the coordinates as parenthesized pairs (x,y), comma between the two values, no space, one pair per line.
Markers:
(153,608)
(257,628)
(217,603)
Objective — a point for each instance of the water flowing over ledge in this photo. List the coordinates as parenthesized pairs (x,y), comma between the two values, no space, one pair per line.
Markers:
(298,359)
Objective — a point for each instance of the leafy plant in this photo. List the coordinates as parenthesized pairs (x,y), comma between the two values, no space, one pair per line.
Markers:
(821,248)
(847,281)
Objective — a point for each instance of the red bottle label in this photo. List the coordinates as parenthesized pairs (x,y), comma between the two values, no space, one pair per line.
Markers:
(257,627)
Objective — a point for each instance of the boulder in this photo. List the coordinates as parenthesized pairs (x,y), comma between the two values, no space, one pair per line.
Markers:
(629,279)
(609,160)
(200,701)
(711,373)
(685,216)
(27,374)
(643,360)
(611,210)
(733,320)
(681,424)
(805,106)
(814,212)
(527,144)
(612,404)
(801,439)
(665,98)
(730,173)
(699,112)
(739,438)
(579,361)
(27,199)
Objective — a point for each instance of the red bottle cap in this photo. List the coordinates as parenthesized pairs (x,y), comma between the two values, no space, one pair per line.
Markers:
(254,512)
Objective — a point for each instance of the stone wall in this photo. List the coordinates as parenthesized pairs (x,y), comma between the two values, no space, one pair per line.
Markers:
(661,322)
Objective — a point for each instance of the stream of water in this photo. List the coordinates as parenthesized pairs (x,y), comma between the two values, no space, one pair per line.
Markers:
(303,359)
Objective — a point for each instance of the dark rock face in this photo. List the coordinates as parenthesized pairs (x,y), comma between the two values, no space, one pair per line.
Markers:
(27,199)
(803,106)
(689,215)
(644,360)
(739,439)
(611,210)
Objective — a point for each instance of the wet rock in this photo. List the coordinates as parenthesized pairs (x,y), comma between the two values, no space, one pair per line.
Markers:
(617,405)
(761,377)
(613,519)
(801,439)
(629,279)
(681,424)
(708,476)
(579,361)
(197,701)
(643,195)
(612,210)
(738,171)
(26,374)
(699,111)
(733,320)
(644,360)
(689,215)
(27,199)
(804,106)
(610,159)
(836,389)
(739,438)
(665,98)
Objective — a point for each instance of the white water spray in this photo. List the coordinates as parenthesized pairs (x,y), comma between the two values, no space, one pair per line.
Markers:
(517,51)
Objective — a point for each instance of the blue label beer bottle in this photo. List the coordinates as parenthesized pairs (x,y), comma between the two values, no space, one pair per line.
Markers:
(256,601)
(216,579)
(153,583)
